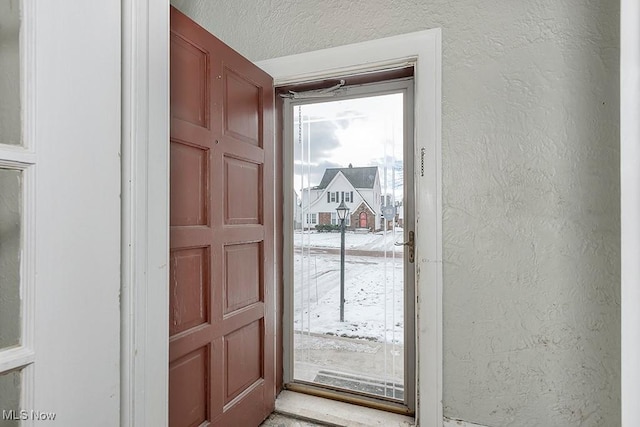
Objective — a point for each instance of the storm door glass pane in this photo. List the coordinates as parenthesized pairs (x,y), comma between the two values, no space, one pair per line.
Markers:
(352,147)
(10,122)
(10,399)
(10,241)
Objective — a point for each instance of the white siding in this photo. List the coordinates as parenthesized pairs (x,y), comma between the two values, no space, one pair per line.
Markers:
(341,184)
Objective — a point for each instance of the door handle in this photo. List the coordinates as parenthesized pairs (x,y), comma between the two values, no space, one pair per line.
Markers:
(411,244)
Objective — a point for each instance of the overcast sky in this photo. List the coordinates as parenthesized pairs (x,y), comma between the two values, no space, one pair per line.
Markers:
(363,132)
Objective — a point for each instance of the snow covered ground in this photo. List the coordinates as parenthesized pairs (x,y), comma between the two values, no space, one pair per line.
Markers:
(379,241)
(373,286)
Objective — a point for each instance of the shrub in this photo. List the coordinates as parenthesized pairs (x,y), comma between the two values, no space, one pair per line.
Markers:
(327,228)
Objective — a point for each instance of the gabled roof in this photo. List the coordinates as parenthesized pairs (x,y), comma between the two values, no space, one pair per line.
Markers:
(364,177)
(367,205)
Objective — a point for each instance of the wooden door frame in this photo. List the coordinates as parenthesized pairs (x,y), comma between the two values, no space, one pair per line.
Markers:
(423,51)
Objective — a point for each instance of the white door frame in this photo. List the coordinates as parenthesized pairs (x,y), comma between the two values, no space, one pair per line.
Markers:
(630,207)
(145,213)
(423,50)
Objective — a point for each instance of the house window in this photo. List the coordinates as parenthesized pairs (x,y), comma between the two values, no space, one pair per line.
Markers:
(312,218)
(381,168)
(335,221)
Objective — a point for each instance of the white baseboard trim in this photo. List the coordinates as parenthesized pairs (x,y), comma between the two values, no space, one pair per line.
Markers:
(449,422)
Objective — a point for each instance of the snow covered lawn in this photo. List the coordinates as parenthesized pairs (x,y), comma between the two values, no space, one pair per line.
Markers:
(373,287)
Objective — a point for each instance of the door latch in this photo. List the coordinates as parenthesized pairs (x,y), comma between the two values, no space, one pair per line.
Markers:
(411,245)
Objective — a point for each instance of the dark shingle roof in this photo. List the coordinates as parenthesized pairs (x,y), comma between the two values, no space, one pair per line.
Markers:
(358,177)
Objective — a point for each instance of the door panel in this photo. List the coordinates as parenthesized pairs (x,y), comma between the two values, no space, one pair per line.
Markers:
(242,185)
(189,184)
(190,306)
(244,274)
(191,63)
(242,117)
(221,349)
(189,374)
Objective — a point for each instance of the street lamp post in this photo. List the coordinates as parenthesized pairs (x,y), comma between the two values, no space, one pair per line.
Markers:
(343,211)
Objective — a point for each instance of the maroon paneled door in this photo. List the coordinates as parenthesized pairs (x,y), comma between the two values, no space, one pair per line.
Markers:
(221,351)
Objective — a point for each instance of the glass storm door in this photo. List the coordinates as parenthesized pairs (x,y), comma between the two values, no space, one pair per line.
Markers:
(349,294)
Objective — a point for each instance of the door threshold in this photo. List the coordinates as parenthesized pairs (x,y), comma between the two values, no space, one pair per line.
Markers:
(334,413)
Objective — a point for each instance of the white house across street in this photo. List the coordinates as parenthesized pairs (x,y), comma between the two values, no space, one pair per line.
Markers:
(358,187)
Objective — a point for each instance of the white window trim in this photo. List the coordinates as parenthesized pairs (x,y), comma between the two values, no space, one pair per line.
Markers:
(311,219)
(423,50)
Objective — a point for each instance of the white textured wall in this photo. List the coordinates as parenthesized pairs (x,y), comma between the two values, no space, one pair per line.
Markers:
(530,188)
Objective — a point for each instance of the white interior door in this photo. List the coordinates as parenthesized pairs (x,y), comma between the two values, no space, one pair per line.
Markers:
(60,71)
(17,204)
